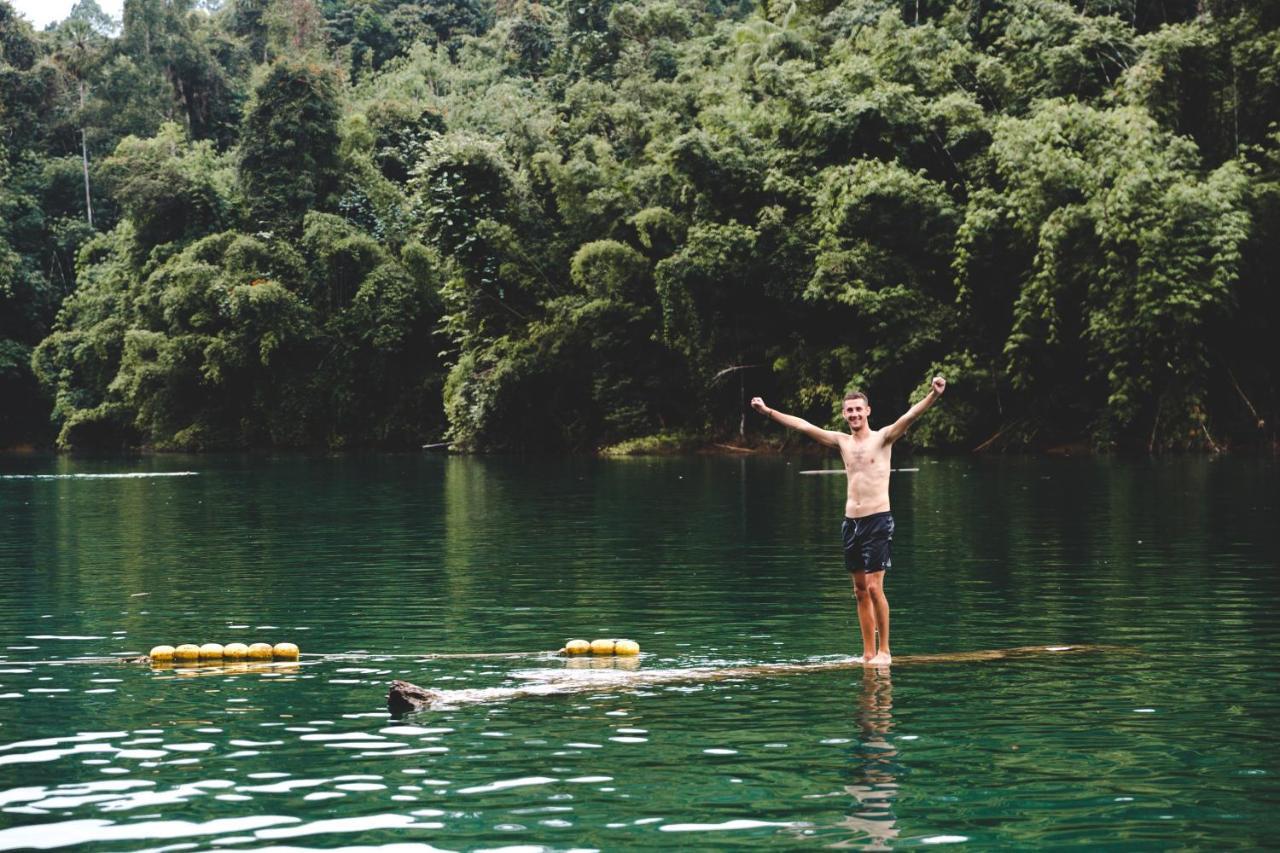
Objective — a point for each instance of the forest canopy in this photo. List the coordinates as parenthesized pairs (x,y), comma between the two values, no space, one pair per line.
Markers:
(514,225)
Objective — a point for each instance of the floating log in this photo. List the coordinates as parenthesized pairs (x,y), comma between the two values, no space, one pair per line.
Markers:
(95,661)
(404,697)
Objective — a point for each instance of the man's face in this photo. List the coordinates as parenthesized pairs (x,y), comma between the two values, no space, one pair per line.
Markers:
(855,413)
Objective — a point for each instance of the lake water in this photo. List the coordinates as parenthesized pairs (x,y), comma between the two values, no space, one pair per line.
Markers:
(1168,742)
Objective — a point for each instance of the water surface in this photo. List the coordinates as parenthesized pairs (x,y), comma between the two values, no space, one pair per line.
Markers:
(703,561)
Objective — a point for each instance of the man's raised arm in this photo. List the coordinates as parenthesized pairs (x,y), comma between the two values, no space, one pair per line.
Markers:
(895,430)
(823,436)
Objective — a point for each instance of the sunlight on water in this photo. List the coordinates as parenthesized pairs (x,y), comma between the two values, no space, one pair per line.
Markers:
(1162,738)
(133,475)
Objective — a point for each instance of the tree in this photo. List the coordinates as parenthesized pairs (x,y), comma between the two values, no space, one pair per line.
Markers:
(289,161)
(170,189)
(78,51)
(1133,252)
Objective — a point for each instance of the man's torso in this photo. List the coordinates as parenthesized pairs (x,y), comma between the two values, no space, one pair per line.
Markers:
(866,464)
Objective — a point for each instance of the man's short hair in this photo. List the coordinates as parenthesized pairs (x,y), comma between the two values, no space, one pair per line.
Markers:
(856,395)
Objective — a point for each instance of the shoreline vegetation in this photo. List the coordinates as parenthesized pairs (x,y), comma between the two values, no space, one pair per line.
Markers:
(519,226)
(655,445)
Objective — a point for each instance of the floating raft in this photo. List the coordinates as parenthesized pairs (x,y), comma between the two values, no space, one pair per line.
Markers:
(404,697)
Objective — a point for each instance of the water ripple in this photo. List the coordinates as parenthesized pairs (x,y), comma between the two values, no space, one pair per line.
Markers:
(69,833)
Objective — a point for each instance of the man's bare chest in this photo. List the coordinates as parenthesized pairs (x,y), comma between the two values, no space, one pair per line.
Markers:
(866,456)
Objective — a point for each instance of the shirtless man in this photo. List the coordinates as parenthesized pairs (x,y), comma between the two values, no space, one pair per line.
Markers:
(868,523)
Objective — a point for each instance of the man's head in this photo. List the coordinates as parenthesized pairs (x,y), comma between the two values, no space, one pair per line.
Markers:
(856,410)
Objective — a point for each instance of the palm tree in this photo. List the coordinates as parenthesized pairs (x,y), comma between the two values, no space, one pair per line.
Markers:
(78,48)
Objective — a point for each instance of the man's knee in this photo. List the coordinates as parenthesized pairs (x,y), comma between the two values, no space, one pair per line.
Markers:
(860,589)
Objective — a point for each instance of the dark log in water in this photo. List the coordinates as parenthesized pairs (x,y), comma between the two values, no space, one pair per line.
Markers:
(404,697)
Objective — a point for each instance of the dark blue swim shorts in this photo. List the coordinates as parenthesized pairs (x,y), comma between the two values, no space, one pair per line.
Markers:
(867,542)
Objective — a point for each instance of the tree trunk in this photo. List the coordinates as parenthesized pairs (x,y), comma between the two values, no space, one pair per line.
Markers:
(84,158)
(404,697)
(742,413)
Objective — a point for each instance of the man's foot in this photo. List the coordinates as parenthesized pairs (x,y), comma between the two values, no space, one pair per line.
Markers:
(881,659)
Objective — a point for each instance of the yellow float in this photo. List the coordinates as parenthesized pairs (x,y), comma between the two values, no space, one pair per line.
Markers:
(216,652)
(161,654)
(626,647)
(602,647)
(186,652)
(577,647)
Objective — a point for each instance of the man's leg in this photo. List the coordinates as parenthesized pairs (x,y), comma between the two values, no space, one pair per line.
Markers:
(866,614)
(880,607)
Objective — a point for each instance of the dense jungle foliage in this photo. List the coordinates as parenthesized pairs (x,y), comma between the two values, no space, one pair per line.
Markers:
(517,225)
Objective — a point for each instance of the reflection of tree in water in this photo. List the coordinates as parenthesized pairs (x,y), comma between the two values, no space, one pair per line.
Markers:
(873,767)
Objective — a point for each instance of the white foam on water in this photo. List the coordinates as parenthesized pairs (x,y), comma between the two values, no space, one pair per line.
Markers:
(80,832)
(720,827)
(504,784)
(130,475)
(63,637)
(338,825)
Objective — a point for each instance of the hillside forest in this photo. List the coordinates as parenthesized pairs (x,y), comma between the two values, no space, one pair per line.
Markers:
(570,225)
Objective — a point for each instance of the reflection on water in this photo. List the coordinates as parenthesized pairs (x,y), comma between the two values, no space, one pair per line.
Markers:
(707,563)
(629,663)
(873,770)
(272,670)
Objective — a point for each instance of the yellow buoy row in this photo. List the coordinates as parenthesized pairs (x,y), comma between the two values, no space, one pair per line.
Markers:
(602,647)
(212,652)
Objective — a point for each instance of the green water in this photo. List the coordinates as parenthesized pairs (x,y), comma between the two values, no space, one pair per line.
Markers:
(703,560)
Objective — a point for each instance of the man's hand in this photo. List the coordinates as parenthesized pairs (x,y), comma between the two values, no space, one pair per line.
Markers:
(758,404)
(939,385)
